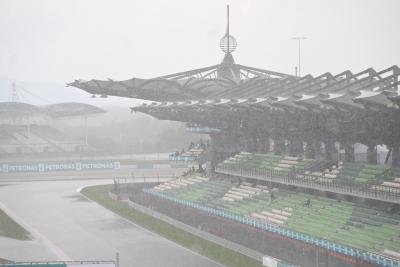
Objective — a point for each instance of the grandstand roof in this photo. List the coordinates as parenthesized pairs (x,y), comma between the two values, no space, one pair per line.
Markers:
(19,109)
(55,110)
(72,109)
(368,89)
(184,86)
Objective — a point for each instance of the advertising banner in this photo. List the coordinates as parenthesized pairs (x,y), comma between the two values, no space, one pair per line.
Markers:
(61,264)
(59,166)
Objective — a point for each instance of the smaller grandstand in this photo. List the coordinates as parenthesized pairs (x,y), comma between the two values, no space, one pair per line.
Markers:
(19,139)
(27,129)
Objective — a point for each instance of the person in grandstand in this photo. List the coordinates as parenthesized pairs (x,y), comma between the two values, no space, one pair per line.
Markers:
(307,203)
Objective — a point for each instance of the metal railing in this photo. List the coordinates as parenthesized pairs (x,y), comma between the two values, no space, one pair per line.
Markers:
(372,190)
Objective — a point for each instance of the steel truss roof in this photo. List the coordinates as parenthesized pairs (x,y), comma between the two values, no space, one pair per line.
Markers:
(345,91)
(184,86)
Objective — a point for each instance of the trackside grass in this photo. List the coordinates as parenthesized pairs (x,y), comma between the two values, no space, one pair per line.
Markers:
(10,229)
(204,247)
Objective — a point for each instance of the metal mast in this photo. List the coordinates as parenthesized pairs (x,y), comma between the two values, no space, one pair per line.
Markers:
(299,41)
(227,26)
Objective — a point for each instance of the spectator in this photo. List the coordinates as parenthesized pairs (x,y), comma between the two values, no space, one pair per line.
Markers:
(307,203)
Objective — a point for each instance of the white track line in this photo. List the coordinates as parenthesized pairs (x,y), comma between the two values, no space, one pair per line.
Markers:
(33,231)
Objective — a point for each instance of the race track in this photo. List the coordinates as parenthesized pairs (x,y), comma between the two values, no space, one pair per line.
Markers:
(66,226)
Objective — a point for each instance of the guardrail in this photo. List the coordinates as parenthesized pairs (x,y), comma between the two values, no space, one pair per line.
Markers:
(181,158)
(368,190)
(120,180)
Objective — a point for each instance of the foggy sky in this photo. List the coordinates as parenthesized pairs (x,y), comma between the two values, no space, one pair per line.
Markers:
(59,41)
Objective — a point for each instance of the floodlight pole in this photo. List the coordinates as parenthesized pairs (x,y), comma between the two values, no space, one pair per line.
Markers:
(299,42)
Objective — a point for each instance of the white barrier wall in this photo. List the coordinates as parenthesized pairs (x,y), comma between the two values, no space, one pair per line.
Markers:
(269,262)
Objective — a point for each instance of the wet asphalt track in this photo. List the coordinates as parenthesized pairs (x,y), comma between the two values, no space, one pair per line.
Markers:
(66,226)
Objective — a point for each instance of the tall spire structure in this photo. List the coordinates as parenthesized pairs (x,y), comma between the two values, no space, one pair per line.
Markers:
(227,69)
(227,25)
(228,42)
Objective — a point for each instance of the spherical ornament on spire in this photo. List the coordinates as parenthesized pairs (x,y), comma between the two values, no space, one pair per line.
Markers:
(228,44)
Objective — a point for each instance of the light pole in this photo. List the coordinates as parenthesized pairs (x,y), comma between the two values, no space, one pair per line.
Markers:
(299,38)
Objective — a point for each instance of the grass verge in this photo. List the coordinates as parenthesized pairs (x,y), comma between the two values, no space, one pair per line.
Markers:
(204,247)
(9,228)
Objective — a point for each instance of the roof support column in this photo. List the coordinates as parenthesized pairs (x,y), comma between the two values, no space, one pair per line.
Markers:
(296,147)
(372,155)
(330,150)
(251,144)
(349,152)
(396,156)
(279,146)
(213,157)
(266,144)
(263,145)
(309,151)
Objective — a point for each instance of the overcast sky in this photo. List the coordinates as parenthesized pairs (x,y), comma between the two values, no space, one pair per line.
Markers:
(62,40)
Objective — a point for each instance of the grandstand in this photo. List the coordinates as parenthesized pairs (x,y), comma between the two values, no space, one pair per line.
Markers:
(26,129)
(344,222)
(276,182)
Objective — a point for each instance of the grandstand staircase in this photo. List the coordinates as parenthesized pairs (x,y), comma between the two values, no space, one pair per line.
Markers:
(20,139)
(34,139)
(53,144)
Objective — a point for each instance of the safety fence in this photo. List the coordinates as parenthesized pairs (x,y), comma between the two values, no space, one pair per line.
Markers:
(326,244)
